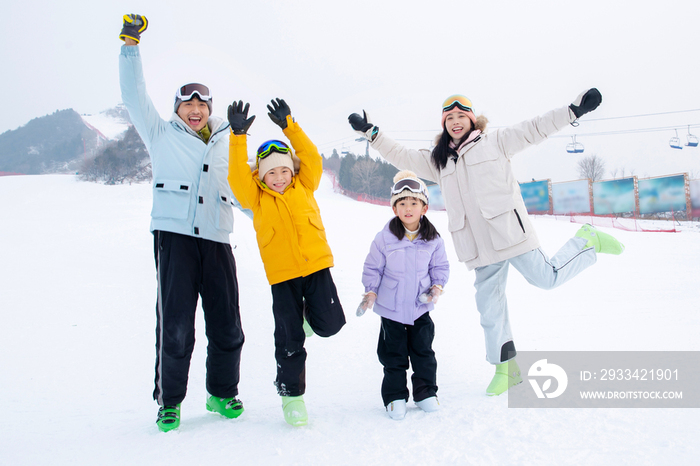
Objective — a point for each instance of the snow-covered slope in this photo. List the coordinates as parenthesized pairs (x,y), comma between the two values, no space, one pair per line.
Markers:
(77,320)
(111,124)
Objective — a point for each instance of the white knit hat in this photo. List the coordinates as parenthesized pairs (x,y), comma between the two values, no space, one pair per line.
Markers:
(407,174)
(274,160)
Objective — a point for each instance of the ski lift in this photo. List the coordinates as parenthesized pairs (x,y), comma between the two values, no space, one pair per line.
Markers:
(692,140)
(574,147)
(675,142)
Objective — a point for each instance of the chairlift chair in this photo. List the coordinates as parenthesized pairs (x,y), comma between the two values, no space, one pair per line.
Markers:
(675,142)
(574,147)
(692,139)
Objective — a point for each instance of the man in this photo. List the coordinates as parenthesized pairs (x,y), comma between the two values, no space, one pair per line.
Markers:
(191,221)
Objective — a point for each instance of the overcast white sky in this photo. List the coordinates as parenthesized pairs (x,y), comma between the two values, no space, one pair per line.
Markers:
(397,59)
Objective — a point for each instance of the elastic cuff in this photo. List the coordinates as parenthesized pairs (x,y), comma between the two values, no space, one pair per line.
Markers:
(122,36)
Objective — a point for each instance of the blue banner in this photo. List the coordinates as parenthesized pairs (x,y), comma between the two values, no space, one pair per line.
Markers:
(665,194)
(613,197)
(536,196)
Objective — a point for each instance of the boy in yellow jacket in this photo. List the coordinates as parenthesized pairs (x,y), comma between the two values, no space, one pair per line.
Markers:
(292,242)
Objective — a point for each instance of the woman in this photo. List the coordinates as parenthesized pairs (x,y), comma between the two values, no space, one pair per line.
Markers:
(486,213)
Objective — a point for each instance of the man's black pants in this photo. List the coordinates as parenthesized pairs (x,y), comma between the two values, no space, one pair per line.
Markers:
(189,267)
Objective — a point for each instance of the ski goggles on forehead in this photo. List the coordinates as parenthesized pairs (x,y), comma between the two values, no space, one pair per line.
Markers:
(188,91)
(272,146)
(411,184)
(457,101)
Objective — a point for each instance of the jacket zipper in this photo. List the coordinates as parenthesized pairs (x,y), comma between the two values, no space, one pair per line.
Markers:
(519,220)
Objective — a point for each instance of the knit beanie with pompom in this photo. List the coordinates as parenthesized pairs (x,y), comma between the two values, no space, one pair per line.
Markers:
(407,174)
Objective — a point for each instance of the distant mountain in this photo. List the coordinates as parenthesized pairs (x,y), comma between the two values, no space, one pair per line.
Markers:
(59,142)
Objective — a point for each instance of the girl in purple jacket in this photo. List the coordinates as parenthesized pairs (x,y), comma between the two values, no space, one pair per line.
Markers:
(404,274)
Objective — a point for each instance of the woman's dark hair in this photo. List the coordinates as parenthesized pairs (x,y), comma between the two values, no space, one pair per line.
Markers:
(426,230)
(442,150)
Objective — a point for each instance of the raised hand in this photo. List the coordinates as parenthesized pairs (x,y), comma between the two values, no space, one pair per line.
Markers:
(586,102)
(238,117)
(278,112)
(133,26)
(360,123)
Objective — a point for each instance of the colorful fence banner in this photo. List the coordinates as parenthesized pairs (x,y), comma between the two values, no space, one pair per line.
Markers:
(613,197)
(536,195)
(571,197)
(666,194)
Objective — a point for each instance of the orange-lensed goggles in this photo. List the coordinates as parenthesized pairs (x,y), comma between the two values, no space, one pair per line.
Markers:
(457,101)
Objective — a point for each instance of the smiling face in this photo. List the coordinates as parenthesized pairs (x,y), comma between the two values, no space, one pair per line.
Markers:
(278,179)
(457,124)
(195,113)
(410,210)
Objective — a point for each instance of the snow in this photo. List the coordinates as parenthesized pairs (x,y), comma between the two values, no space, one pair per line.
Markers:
(77,335)
(110,126)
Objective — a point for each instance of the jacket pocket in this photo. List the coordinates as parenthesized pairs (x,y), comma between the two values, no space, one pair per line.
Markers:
(265,237)
(478,155)
(506,229)
(224,213)
(315,220)
(386,293)
(423,287)
(489,174)
(171,199)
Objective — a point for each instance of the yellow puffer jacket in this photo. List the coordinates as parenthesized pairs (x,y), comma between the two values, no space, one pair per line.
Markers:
(290,234)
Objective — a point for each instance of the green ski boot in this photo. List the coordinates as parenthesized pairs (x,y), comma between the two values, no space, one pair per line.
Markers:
(602,242)
(504,378)
(168,418)
(295,410)
(227,407)
(308,331)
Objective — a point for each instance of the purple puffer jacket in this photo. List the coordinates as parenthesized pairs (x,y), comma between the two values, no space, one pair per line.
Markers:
(399,271)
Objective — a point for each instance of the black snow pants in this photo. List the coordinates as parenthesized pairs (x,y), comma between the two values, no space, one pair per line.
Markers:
(189,267)
(399,343)
(316,298)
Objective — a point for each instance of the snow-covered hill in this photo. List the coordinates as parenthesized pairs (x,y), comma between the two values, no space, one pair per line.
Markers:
(111,123)
(77,321)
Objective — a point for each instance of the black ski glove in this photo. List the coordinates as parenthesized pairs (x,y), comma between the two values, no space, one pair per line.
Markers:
(586,102)
(133,26)
(363,126)
(278,112)
(238,117)
(360,123)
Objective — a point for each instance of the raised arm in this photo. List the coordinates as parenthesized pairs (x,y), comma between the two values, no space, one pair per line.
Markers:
(515,138)
(240,177)
(142,112)
(311,168)
(418,161)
